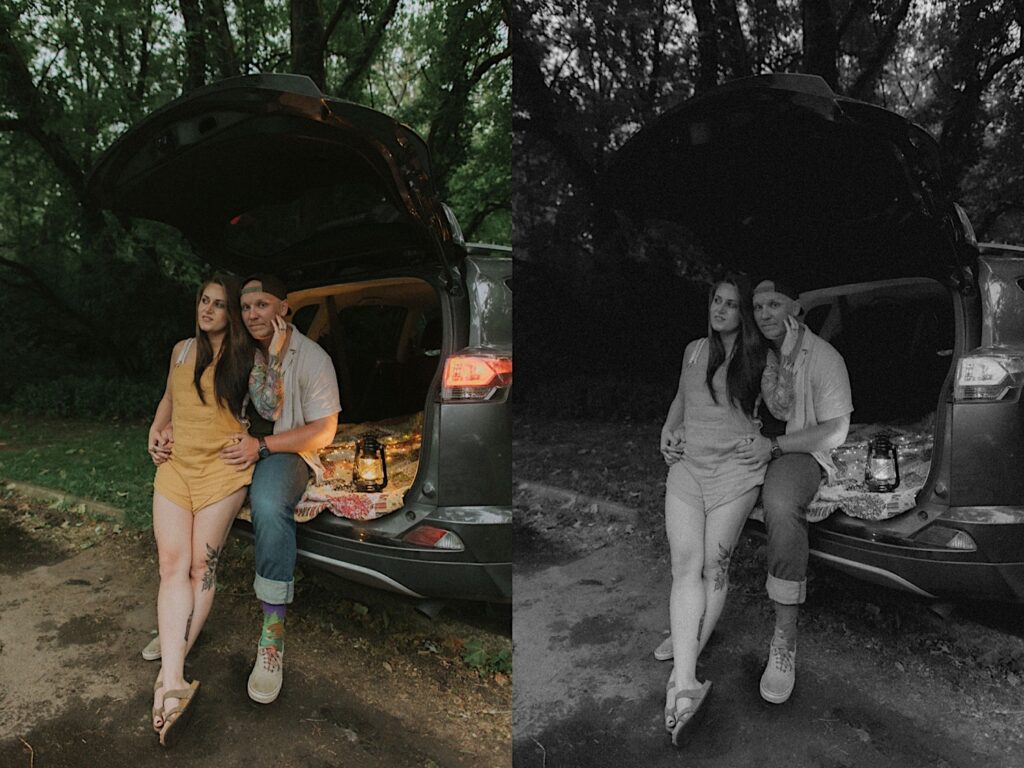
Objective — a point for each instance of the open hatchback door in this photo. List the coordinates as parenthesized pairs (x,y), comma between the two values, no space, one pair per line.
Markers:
(264,172)
(777,169)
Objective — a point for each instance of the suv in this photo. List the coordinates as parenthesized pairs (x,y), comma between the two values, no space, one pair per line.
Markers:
(266,174)
(779,176)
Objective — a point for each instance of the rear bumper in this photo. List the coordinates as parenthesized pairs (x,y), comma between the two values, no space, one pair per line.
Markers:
(483,571)
(929,573)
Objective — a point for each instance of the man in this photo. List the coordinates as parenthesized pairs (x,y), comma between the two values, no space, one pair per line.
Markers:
(284,453)
(818,421)
(814,376)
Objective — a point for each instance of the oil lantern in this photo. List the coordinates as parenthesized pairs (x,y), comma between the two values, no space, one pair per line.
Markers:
(882,471)
(369,466)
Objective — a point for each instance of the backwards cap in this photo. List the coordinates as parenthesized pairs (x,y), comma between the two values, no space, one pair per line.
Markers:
(778,286)
(268,283)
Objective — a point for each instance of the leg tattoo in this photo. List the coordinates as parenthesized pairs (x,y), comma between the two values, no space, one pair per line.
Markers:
(212,558)
(700,626)
(722,574)
(188,625)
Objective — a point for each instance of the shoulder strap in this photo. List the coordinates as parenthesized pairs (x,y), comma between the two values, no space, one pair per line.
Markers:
(697,350)
(184,351)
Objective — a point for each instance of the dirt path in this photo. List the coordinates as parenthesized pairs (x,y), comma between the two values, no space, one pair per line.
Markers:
(369,682)
(589,693)
(882,682)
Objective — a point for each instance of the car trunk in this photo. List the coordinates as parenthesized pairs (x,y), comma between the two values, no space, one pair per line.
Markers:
(386,339)
(898,338)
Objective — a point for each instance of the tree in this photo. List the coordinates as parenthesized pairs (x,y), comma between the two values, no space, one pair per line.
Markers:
(75,74)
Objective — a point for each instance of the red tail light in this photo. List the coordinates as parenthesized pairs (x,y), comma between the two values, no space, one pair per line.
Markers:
(434,538)
(475,377)
(988,375)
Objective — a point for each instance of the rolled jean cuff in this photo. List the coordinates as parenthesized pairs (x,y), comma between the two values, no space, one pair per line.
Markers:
(785,592)
(274,592)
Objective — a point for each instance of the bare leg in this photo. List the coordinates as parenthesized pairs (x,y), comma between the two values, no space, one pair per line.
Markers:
(721,532)
(172,528)
(209,533)
(684,526)
(210,528)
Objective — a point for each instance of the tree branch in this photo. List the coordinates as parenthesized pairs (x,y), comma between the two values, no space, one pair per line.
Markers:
(868,78)
(486,65)
(991,217)
(999,64)
(35,111)
(481,216)
(361,64)
(335,19)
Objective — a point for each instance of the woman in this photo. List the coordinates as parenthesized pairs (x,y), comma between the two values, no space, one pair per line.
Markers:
(709,493)
(195,494)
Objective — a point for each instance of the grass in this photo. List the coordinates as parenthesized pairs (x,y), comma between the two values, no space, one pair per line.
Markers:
(104,461)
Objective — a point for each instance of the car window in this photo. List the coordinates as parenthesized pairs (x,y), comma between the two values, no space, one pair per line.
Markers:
(490,300)
(303,318)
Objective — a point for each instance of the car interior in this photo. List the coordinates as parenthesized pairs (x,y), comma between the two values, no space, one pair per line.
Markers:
(384,337)
(896,337)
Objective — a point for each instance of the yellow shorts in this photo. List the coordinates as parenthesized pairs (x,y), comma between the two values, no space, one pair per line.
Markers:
(193,490)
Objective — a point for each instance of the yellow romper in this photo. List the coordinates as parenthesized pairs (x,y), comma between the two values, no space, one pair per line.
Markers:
(195,476)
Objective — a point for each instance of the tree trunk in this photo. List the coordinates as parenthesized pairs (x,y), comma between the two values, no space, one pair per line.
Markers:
(220,38)
(307,34)
(821,44)
(195,45)
(538,110)
(707,46)
(734,45)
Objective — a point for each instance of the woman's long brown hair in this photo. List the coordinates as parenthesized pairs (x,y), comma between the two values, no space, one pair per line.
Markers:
(231,376)
(743,376)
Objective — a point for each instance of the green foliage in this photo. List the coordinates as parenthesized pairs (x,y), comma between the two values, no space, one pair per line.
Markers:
(101,460)
(488,661)
(88,397)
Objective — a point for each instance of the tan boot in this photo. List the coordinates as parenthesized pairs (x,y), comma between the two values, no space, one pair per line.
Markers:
(779,676)
(152,650)
(267,674)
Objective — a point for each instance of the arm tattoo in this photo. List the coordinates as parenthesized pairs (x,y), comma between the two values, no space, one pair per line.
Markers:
(188,625)
(722,574)
(212,557)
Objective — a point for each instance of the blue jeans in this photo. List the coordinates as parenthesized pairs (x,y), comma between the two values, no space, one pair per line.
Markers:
(277,485)
(789,487)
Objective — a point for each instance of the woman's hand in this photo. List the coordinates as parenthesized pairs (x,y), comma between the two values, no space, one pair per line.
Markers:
(673,444)
(278,339)
(161,442)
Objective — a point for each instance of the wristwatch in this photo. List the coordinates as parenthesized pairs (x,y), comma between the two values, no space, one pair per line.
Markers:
(264,451)
(776,448)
